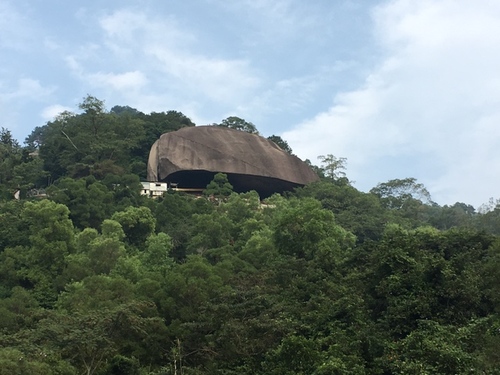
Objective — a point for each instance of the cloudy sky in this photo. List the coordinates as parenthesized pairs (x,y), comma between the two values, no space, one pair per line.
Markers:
(400,88)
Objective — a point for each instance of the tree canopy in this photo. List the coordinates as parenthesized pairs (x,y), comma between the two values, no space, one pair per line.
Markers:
(96,279)
(237,123)
(281,143)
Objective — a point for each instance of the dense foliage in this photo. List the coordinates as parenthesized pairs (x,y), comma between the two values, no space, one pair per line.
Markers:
(96,279)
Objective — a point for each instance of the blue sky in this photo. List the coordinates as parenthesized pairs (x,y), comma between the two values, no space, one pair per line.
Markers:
(400,88)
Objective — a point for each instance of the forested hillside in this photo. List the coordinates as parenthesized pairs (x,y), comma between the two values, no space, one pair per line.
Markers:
(96,279)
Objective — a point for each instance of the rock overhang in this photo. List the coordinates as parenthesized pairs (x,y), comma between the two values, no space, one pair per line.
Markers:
(190,156)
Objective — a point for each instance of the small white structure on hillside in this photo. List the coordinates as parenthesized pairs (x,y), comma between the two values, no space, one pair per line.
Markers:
(153,189)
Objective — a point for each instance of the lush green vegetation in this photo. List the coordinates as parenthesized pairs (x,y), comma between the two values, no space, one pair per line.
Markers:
(95,279)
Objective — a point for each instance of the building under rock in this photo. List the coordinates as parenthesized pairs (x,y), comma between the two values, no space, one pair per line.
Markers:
(190,157)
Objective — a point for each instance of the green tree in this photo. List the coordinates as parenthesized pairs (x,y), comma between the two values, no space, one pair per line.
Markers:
(100,143)
(51,239)
(10,157)
(120,365)
(138,223)
(358,212)
(219,187)
(29,174)
(125,110)
(424,274)
(259,250)
(459,215)
(16,362)
(307,231)
(17,310)
(333,166)
(433,349)
(89,201)
(157,255)
(489,219)
(210,231)
(102,252)
(6,138)
(158,123)
(94,109)
(394,194)
(281,143)
(245,215)
(19,169)
(237,123)
(295,355)
(91,143)
(409,203)
(12,226)
(91,339)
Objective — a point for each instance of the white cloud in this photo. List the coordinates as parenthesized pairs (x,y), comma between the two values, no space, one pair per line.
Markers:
(290,96)
(19,97)
(211,68)
(275,22)
(222,80)
(125,81)
(430,110)
(51,112)
(135,42)
(14,27)
(27,88)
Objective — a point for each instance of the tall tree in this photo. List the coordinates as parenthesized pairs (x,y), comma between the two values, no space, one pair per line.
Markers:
(394,194)
(333,166)
(94,109)
(38,266)
(407,201)
(238,123)
(281,143)
(138,224)
(219,187)
(7,139)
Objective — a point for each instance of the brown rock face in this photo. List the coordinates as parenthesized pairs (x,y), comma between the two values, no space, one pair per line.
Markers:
(191,157)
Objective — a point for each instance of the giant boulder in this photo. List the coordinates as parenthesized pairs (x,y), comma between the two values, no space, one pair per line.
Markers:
(191,156)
